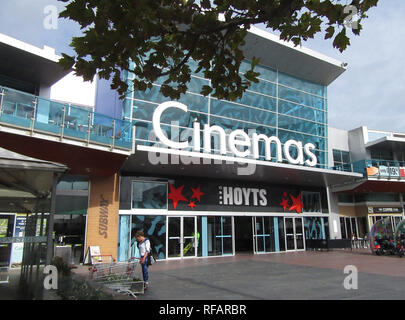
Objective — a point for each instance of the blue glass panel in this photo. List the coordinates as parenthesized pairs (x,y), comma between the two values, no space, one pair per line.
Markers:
(195,102)
(300,97)
(17,108)
(149,195)
(230,110)
(143,110)
(258,101)
(264,87)
(304,138)
(126,108)
(301,84)
(123,238)
(102,129)
(154,228)
(265,72)
(152,95)
(143,129)
(295,124)
(123,134)
(184,119)
(300,111)
(234,124)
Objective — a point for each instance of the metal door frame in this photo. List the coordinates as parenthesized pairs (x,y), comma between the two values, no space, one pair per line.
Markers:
(294,234)
(181,237)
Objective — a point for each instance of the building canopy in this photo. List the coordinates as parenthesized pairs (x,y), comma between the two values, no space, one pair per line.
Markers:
(26,182)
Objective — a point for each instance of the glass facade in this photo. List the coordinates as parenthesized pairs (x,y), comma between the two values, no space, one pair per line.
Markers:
(149,195)
(278,105)
(154,228)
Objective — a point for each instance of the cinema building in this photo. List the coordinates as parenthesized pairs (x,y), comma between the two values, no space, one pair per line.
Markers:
(211,178)
(201,176)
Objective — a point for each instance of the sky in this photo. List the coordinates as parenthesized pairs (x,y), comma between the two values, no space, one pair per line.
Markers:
(371,92)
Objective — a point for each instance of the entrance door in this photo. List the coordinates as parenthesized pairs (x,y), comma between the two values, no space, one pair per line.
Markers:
(261,234)
(181,237)
(294,234)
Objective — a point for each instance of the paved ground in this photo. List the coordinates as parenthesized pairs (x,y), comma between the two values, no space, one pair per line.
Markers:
(301,275)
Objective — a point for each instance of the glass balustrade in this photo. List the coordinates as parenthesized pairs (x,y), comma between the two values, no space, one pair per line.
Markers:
(27,111)
(372,168)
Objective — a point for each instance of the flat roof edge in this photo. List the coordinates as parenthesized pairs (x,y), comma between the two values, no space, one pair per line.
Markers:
(46,53)
(270,36)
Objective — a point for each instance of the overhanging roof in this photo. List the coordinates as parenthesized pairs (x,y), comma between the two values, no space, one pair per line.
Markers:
(273,173)
(23,61)
(388,143)
(368,186)
(25,182)
(285,57)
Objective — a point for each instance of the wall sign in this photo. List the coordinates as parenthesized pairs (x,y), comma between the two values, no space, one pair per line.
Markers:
(235,142)
(387,210)
(184,195)
(385,171)
(103,218)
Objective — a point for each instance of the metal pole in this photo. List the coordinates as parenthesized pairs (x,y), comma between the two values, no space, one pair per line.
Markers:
(113,135)
(34,115)
(63,123)
(49,245)
(2,94)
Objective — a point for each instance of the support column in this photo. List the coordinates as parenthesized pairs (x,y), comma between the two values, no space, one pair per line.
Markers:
(102,218)
(334,221)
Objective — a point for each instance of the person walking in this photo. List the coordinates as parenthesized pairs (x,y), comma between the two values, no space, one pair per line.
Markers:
(144,250)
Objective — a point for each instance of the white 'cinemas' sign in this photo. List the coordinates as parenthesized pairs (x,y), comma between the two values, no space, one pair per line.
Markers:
(233,142)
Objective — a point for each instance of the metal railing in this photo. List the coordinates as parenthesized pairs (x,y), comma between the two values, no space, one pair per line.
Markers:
(35,114)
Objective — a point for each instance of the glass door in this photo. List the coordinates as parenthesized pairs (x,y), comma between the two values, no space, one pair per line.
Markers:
(261,234)
(189,237)
(299,234)
(181,237)
(289,234)
(294,234)
(174,237)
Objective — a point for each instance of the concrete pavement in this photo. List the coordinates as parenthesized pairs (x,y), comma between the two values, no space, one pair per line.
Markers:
(299,275)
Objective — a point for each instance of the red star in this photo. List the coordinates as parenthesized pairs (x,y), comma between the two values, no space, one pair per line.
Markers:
(297,204)
(191,204)
(284,203)
(176,195)
(197,193)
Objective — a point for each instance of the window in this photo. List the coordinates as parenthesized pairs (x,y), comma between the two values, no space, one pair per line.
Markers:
(377,197)
(149,195)
(381,155)
(345,198)
(311,201)
(353,225)
(341,159)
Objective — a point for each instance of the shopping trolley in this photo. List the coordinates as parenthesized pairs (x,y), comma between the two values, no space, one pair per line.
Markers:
(118,276)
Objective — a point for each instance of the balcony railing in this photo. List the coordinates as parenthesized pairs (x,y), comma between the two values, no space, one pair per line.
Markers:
(25,111)
(380,169)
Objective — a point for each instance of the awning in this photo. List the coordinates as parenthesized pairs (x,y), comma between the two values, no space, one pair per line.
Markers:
(25,62)
(389,143)
(25,182)
(271,173)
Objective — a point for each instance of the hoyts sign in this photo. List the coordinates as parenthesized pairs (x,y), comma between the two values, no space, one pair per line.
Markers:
(210,196)
(245,148)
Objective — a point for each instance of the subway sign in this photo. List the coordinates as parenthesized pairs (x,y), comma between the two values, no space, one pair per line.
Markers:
(243,147)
